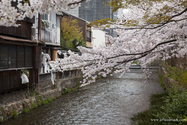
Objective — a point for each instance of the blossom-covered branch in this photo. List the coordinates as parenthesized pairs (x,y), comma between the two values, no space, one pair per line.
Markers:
(13,10)
(144,36)
(149,30)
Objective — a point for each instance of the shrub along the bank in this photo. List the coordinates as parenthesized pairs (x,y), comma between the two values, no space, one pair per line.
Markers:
(169,109)
(178,74)
(176,106)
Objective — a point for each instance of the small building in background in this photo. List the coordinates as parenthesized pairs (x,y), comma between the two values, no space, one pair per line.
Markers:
(99,38)
(85,28)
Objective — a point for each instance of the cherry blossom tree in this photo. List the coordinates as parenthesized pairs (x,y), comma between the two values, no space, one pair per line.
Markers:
(13,10)
(150,30)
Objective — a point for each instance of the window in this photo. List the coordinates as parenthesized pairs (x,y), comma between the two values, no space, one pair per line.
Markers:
(45,17)
(3,56)
(21,56)
(88,34)
(7,56)
(15,56)
(28,56)
(12,56)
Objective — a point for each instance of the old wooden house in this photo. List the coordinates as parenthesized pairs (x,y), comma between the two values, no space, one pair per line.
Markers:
(18,54)
(26,51)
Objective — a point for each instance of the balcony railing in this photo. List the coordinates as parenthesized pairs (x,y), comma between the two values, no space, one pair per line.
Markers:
(47,36)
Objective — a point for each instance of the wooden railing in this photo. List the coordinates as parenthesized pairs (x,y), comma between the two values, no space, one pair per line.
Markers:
(47,36)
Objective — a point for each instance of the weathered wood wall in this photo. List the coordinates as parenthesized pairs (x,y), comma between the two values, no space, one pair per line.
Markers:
(23,31)
(10,80)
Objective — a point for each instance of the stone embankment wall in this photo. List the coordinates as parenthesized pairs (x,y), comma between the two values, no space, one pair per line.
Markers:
(16,102)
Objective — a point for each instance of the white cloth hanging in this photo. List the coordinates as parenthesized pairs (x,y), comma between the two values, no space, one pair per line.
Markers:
(24,78)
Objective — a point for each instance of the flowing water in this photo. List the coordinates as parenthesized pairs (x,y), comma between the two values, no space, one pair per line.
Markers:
(111,100)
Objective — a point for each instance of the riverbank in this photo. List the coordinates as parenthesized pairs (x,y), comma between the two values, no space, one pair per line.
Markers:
(110,100)
(21,101)
(168,107)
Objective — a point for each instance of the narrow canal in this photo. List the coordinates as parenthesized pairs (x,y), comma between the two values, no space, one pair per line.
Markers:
(111,100)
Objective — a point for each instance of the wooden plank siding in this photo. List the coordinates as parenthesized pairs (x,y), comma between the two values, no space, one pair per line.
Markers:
(37,50)
(23,31)
(33,76)
(10,80)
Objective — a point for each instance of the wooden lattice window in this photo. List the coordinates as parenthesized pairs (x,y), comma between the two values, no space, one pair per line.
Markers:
(15,56)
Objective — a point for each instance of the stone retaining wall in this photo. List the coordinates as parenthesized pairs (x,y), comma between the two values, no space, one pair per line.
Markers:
(28,98)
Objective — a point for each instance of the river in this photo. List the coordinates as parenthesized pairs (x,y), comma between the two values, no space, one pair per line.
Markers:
(111,100)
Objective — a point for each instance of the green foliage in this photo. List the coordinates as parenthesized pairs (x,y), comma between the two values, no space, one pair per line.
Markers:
(177,74)
(14,114)
(34,105)
(176,106)
(71,34)
(163,14)
(32,93)
(2,111)
(26,110)
(161,82)
(44,102)
(26,72)
(99,77)
(78,42)
(77,87)
(164,107)
(1,120)
(65,90)
(49,100)
(146,117)
(39,100)
(36,93)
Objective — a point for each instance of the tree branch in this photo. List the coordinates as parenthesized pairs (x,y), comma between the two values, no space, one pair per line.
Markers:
(76,2)
(159,24)
(148,51)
